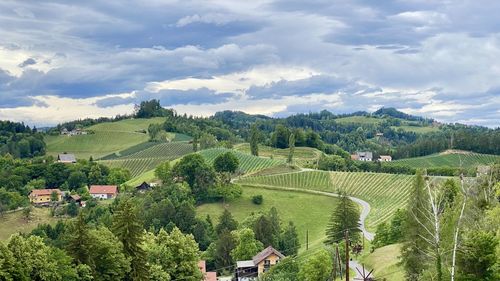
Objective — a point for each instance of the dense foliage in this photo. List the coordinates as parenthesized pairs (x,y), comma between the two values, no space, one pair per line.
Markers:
(20,141)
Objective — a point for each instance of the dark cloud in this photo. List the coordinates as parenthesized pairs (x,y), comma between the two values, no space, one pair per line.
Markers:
(27,62)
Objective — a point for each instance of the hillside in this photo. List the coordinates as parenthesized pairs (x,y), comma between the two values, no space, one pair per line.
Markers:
(248,163)
(107,138)
(385,192)
(302,155)
(449,159)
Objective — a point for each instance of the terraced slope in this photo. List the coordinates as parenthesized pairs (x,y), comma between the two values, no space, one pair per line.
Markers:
(302,155)
(108,138)
(150,157)
(385,192)
(465,159)
(248,163)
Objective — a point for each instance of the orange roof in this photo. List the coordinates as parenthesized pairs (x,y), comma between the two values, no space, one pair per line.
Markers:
(39,192)
(103,189)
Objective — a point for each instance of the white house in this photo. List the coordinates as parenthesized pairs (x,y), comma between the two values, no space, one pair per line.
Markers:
(103,191)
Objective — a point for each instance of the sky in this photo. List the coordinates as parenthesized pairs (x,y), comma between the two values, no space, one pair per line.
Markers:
(65,60)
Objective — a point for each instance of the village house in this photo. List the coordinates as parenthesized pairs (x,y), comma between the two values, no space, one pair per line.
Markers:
(252,269)
(207,276)
(385,158)
(44,196)
(66,158)
(143,187)
(74,132)
(103,191)
(362,156)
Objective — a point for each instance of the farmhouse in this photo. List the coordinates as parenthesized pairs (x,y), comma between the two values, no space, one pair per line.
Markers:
(103,191)
(252,269)
(44,196)
(207,276)
(66,158)
(143,187)
(385,158)
(362,156)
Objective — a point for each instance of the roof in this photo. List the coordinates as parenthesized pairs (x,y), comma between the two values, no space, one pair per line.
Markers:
(365,154)
(143,185)
(266,253)
(241,264)
(103,189)
(76,197)
(39,192)
(66,158)
(385,157)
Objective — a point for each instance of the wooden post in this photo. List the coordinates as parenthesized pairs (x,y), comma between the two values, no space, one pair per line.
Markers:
(339,262)
(347,255)
(307,239)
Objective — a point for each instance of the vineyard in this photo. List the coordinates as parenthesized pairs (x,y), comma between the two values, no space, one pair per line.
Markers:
(385,192)
(301,155)
(150,157)
(248,163)
(466,160)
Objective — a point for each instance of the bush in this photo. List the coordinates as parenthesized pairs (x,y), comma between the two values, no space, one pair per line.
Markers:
(257,199)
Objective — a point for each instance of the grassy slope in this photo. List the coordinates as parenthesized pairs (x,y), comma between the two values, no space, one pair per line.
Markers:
(385,192)
(14,222)
(248,163)
(384,261)
(359,119)
(451,160)
(416,129)
(302,155)
(109,137)
(294,206)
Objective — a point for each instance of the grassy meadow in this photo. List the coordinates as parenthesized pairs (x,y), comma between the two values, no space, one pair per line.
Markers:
(463,159)
(14,222)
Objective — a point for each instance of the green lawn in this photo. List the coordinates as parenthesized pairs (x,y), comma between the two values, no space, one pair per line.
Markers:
(307,211)
(466,159)
(14,222)
(385,192)
(384,261)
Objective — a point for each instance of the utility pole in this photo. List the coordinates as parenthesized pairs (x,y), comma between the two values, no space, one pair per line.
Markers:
(347,255)
(339,261)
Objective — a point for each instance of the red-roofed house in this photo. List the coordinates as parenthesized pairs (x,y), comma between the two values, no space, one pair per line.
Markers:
(207,276)
(103,191)
(44,196)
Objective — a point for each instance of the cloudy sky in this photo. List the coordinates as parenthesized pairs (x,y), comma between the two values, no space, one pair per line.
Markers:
(62,61)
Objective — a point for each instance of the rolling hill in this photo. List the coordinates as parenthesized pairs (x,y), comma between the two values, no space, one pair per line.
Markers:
(449,159)
(302,155)
(248,163)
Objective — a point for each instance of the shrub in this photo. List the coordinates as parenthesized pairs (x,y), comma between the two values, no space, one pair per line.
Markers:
(257,199)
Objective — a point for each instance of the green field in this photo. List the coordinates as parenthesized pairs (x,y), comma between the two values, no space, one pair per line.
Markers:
(465,159)
(417,129)
(385,192)
(359,120)
(385,261)
(108,138)
(14,222)
(150,157)
(313,217)
(248,163)
(302,155)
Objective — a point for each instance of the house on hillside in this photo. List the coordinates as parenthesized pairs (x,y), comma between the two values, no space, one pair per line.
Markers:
(362,156)
(143,187)
(103,191)
(207,276)
(252,269)
(482,170)
(66,158)
(385,158)
(44,196)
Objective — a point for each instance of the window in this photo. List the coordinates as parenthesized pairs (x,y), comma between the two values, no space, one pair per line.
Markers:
(267,265)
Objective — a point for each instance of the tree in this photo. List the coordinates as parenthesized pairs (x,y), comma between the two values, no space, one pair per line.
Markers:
(78,242)
(27,213)
(246,246)
(280,137)
(7,264)
(194,170)
(118,176)
(331,163)
(254,140)
(413,251)
(148,109)
(291,147)
(223,248)
(275,221)
(345,217)
(286,270)
(289,242)
(76,180)
(175,254)
(72,209)
(164,172)
(207,140)
(54,196)
(108,260)
(317,267)
(477,259)
(226,163)
(264,231)
(226,223)
(128,228)
(154,131)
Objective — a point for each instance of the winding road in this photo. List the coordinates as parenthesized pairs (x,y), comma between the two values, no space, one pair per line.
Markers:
(365,210)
